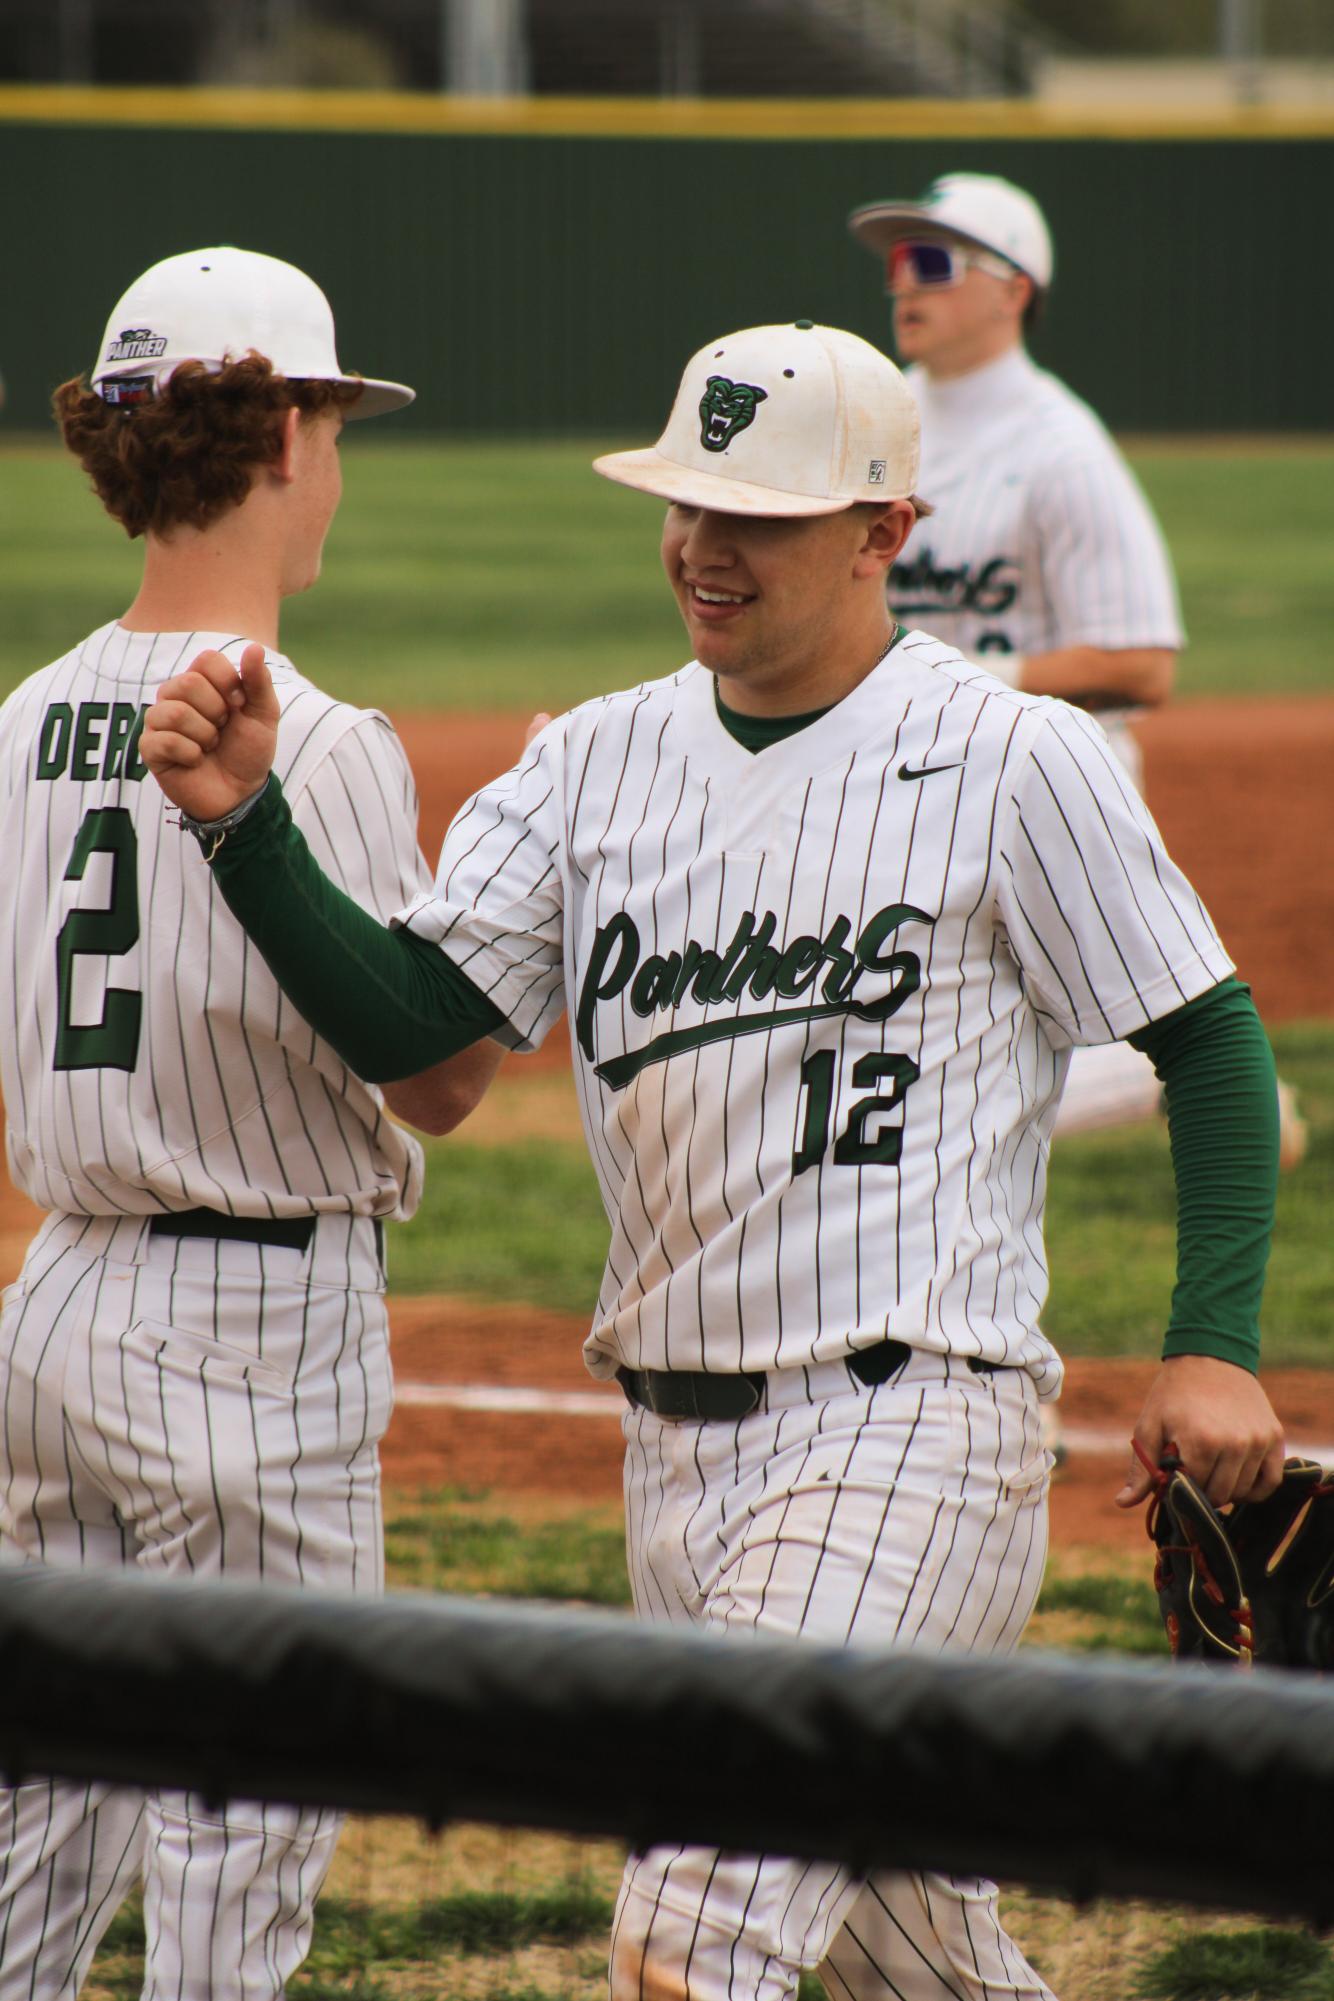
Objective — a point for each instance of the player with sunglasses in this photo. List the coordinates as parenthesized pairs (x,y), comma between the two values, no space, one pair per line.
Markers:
(921,262)
(1042,559)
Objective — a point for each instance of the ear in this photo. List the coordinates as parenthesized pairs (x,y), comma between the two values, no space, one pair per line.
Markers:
(283,466)
(885,532)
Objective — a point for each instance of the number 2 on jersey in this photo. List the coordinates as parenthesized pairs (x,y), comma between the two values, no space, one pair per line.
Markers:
(113,1042)
(859,1144)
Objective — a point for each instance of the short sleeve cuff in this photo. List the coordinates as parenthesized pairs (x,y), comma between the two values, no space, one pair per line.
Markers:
(528,991)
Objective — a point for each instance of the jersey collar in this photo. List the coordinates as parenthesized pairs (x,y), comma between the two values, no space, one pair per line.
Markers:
(873,710)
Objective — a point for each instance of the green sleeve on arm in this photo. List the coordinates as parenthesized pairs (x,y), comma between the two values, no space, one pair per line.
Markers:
(390,1003)
(1217,1071)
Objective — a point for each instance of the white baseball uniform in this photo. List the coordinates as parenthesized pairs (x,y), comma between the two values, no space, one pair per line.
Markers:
(194,1366)
(1041,538)
(822,1001)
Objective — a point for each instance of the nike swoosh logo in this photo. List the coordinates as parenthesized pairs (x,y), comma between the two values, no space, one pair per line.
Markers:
(929,770)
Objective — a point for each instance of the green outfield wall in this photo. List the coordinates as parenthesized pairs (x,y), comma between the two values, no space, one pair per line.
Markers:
(551,278)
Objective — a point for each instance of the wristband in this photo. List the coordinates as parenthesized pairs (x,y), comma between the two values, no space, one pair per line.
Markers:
(211,834)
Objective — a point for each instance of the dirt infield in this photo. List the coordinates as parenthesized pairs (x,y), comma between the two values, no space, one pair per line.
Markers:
(1242,792)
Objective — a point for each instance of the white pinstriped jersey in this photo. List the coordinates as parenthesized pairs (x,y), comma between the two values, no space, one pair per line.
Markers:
(821,998)
(149,1060)
(1041,537)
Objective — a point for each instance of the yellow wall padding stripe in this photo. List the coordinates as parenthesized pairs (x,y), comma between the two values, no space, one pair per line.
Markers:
(638,118)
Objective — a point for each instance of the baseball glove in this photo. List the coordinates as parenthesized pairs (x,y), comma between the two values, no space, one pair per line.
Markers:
(1254,1583)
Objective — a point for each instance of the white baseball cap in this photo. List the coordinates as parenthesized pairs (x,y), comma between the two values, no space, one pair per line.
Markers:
(216,305)
(796,419)
(977,209)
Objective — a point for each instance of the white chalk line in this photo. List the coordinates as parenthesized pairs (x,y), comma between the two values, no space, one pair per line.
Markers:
(512,1402)
(1094,1441)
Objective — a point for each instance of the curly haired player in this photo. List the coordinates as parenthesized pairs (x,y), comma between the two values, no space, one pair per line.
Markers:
(828,908)
(194,1367)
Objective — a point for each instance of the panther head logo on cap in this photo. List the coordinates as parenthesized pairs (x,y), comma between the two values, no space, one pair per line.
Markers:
(725,408)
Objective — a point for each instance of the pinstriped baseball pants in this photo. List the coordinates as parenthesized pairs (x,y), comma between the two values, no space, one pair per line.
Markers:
(913,1513)
(191,1407)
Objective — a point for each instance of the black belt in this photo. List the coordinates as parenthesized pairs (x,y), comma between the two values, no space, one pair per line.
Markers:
(700,1393)
(288,1233)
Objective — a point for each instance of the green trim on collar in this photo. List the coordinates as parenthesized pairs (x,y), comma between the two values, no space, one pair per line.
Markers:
(755,733)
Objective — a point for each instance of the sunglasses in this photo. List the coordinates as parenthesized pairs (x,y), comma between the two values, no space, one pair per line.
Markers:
(937,264)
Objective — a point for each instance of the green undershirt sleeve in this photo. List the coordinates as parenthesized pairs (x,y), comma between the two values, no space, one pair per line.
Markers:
(390,1003)
(1217,1070)
(393,1005)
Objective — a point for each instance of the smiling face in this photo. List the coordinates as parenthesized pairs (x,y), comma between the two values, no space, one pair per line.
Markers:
(789,613)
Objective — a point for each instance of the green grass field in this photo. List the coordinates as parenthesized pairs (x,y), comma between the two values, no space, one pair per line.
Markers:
(511,576)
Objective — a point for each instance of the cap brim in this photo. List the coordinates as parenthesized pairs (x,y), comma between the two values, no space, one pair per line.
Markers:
(650,472)
(882,224)
(377,398)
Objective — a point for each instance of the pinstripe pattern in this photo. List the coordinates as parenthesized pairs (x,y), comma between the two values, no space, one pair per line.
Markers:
(908,1514)
(939,884)
(1042,912)
(1041,536)
(187,1405)
(1034,498)
(234,1104)
(193,1407)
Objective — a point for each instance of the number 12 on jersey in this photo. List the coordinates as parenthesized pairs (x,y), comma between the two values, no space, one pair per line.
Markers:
(864,1140)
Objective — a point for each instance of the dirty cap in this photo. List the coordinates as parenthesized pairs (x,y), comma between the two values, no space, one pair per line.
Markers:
(791,420)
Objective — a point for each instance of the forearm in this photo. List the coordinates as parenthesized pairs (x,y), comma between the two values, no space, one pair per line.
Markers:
(441,1098)
(1100,677)
(391,1004)
(1217,1072)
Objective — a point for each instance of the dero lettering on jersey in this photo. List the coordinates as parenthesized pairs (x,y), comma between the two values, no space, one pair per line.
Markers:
(752,964)
(96,740)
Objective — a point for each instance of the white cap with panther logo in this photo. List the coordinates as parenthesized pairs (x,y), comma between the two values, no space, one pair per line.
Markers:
(795,419)
(216,306)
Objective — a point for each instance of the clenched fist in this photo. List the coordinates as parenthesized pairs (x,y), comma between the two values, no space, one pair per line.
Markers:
(209,738)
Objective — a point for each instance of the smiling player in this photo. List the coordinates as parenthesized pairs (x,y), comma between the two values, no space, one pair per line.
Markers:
(827,908)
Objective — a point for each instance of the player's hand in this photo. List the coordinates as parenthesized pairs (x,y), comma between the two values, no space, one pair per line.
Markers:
(1219,1421)
(209,738)
(535,727)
